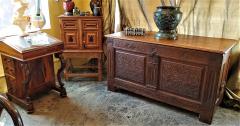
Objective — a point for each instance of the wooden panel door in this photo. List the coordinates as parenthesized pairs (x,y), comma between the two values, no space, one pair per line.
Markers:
(130,67)
(71,39)
(90,39)
(136,64)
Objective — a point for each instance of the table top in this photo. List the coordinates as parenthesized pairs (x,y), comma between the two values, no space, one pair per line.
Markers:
(30,46)
(215,45)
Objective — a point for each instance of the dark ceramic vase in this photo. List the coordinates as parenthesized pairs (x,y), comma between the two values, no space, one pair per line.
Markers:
(95,7)
(167,19)
(97,11)
(68,6)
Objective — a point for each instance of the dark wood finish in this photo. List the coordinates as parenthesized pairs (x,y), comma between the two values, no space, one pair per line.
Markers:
(61,89)
(29,69)
(82,36)
(189,72)
(12,111)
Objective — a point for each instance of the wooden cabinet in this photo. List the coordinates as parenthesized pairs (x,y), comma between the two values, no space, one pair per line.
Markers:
(82,36)
(189,72)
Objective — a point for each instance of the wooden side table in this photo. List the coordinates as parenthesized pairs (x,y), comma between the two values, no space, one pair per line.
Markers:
(82,36)
(28,67)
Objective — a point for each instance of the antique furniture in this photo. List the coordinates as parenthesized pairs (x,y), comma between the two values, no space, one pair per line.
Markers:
(189,72)
(14,114)
(82,36)
(28,67)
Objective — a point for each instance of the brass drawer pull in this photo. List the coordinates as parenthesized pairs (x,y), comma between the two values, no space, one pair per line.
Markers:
(91,25)
(69,25)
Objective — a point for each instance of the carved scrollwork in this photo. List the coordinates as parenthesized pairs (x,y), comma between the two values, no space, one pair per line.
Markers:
(63,92)
(182,79)
(28,72)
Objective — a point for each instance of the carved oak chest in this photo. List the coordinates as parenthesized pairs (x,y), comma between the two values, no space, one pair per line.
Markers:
(189,73)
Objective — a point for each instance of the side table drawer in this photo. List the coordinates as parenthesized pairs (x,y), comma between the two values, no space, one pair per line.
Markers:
(90,24)
(69,24)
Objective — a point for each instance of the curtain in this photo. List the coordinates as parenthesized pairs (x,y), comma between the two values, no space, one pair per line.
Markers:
(212,18)
(108,16)
(108,10)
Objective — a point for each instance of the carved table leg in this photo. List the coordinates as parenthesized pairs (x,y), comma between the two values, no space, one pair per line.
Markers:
(61,89)
(28,70)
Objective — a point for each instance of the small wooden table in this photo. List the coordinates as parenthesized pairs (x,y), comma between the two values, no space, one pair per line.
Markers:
(82,37)
(28,67)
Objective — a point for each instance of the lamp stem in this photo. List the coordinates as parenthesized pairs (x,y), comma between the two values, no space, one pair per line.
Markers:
(38,8)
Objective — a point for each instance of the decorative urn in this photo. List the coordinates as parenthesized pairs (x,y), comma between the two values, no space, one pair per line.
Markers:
(68,6)
(167,19)
(95,6)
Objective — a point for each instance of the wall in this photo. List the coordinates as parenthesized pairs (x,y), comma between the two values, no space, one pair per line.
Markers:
(83,5)
(56,9)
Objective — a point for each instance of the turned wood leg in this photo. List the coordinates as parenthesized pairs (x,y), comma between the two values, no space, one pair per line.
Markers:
(62,90)
(100,68)
(70,65)
(206,117)
(67,69)
(26,82)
